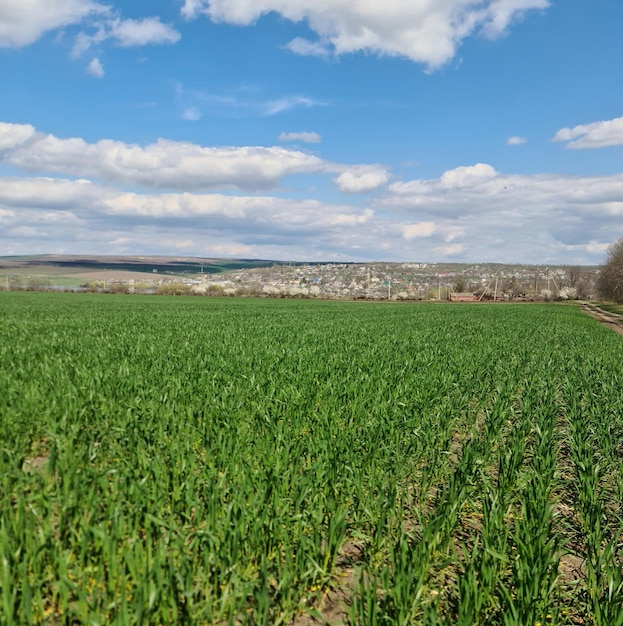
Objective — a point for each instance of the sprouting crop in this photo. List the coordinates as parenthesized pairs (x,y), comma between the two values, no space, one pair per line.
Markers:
(192,461)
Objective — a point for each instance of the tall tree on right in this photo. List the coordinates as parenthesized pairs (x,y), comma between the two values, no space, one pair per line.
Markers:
(610,281)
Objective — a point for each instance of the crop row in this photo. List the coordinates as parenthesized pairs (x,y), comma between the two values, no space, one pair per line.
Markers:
(211,462)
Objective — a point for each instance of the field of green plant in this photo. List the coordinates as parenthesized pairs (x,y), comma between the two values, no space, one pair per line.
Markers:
(203,461)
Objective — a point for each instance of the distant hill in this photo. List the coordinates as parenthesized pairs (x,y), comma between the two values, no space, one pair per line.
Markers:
(160,264)
(372,280)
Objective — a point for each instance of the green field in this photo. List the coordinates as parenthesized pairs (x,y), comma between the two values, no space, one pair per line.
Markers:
(205,461)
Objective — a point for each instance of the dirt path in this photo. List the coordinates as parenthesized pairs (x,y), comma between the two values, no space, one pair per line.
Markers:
(612,320)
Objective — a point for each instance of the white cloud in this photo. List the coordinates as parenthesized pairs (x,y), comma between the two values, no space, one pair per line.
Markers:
(306,48)
(595,247)
(450,251)
(14,135)
(516,141)
(421,229)
(191,114)
(148,31)
(47,194)
(285,104)
(305,137)
(508,218)
(172,164)
(596,135)
(471,176)
(245,100)
(95,68)
(362,179)
(421,30)
(492,216)
(191,8)
(471,212)
(85,41)
(23,21)
(89,200)
(126,33)
(92,217)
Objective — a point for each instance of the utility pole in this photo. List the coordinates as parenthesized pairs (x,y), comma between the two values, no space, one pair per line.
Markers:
(495,290)
(554,281)
(536,282)
(548,274)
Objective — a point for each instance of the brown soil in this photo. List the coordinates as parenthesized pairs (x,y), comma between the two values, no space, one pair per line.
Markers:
(121,275)
(612,320)
(334,605)
(36,464)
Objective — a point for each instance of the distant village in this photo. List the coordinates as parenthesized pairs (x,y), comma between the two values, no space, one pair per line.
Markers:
(379,281)
(346,281)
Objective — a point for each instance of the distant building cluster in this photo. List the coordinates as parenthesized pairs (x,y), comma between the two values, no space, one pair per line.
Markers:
(403,281)
(351,281)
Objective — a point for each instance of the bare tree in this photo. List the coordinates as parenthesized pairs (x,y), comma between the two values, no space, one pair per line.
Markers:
(574,275)
(610,280)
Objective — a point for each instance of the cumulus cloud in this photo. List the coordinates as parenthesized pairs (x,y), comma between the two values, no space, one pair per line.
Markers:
(95,68)
(192,8)
(148,31)
(471,176)
(90,216)
(174,164)
(48,194)
(110,190)
(420,30)
(516,141)
(495,216)
(126,33)
(503,218)
(164,164)
(596,135)
(256,218)
(362,179)
(14,135)
(305,137)
(23,21)
(421,229)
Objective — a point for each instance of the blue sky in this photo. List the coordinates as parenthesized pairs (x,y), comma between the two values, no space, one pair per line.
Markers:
(398,130)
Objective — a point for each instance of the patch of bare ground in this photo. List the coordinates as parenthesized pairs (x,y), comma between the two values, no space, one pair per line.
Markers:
(35,464)
(332,610)
(123,275)
(572,563)
(613,321)
(38,458)
(571,568)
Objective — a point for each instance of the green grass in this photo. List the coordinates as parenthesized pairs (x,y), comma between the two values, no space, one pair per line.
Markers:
(207,461)
(613,308)
(40,281)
